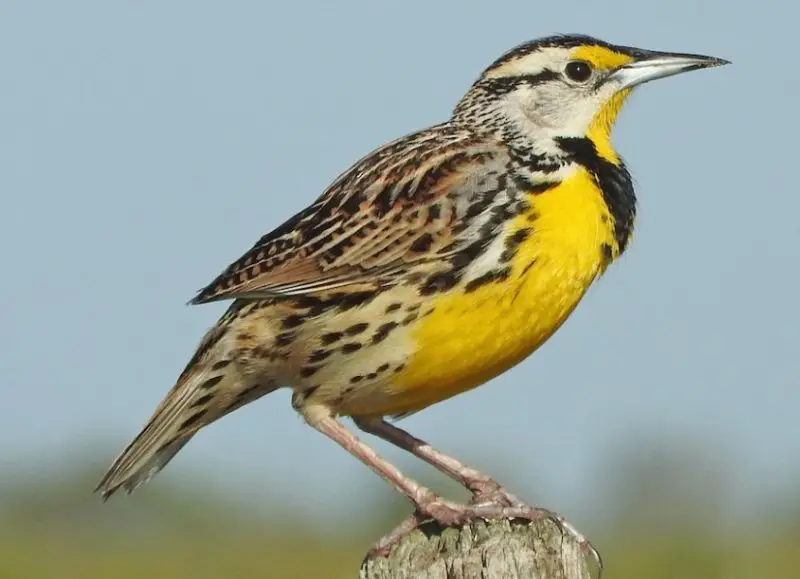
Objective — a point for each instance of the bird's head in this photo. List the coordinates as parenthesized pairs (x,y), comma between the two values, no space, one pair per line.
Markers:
(566,86)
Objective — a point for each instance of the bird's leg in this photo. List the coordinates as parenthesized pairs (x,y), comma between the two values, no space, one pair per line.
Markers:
(427,504)
(484,489)
(334,430)
(489,499)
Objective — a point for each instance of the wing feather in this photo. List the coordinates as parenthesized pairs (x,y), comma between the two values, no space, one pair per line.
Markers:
(395,208)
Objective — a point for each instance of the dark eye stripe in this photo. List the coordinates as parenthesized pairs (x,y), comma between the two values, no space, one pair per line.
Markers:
(544,76)
(507,84)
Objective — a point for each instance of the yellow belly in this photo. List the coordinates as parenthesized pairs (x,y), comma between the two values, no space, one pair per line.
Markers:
(472,337)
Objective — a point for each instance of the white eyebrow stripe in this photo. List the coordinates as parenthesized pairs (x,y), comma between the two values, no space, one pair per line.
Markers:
(530,63)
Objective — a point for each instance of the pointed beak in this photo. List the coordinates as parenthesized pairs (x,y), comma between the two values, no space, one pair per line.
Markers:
(653,65)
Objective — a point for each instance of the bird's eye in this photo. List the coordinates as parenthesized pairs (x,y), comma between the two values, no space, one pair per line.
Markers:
(578,70)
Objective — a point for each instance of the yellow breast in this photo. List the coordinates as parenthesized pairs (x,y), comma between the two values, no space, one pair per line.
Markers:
(473,336)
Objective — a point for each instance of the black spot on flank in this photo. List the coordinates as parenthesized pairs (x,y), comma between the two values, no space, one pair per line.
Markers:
(346,301)
(356,379)
(383,331)
(211,382)
(393,308)
(319,355)
(351,347)
(488,277)
(518,237)
(192,420)
(292,321)
(356,329)
(409,318)
(220,365)
(309,371)
(438,282)
(399,368)
(285,338)
(269,353)
(382,368)
(330,338)
(371,376)
(434,212)
(422,243)
(203,400)
(513,242)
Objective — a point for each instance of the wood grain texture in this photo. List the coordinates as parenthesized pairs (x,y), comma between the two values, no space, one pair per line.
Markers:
(482,550)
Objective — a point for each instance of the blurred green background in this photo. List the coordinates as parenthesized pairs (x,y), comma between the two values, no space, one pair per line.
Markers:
(666,516)
(144,145)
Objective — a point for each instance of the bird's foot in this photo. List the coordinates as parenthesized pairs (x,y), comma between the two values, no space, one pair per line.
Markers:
(519,510)
(491,501)
(490,504)
(489,492)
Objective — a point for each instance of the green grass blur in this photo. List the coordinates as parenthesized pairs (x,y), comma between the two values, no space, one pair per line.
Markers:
(660,520)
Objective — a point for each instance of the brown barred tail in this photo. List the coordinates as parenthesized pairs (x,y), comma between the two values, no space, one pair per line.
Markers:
(200,397)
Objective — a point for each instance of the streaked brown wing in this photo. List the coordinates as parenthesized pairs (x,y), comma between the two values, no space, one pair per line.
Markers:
(397,207)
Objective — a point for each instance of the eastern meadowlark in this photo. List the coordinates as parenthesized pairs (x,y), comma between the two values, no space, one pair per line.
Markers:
(433,264)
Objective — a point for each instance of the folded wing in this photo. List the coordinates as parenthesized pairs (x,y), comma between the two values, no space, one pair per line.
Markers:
(406,203)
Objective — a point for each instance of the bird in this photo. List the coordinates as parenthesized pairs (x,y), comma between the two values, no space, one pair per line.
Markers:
(432,265)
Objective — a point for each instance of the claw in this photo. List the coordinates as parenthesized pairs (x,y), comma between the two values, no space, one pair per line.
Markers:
(584,543)
(385,543)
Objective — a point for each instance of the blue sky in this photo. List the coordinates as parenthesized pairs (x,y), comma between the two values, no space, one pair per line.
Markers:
(146,145)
